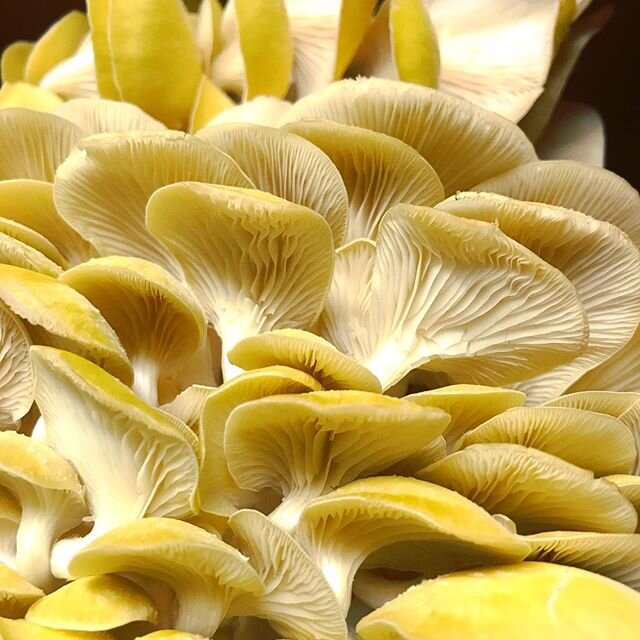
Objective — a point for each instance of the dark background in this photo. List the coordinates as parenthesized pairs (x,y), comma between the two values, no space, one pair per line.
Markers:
(607,75)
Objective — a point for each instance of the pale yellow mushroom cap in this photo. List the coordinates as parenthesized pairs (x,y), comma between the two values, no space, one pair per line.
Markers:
(24,630)
(16,594)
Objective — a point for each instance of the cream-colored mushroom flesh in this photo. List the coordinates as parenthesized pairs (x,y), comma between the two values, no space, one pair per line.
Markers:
(255,262)
(538,491)
(158,320)
(351,434)
(16,594)
(463,143)
(562,603)
(205,573)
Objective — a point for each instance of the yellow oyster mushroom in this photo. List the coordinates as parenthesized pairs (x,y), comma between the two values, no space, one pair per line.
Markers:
(97,115)
(172,634)
(537,490)
(614,555)
(95,603)
(297,600)
(24,95)
(590,440)
(401,44)
(95,421)
(138,44)
(57,314)
(420,306)
(306,352)
(16,594)
(18,254)
(16,376)
(566,183)
(352,434)
(378,172)
(189,404)
(339,530)
(611,403)
(629,487)
(527,600)
(34,144)
(263,110)
(24,630)
(30,203)
(599,260)
(103,188)
(33,240)
(219,492)
(463,143)
(10,515)
(210,101)
(374,587)
(205,573)
(255,262)
(158,320)
(256,53)
(51,498)
(14,60)
(469,405)
(287,166)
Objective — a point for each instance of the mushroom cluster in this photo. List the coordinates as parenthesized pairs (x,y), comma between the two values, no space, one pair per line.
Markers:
(361,366)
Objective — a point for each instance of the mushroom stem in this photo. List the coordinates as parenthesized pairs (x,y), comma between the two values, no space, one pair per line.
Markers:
(201,607)
(33,546)
(287,513)
(145,379)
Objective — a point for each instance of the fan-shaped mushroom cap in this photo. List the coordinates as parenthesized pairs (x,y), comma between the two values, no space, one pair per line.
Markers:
(264,110)
(378,172)
(611,403)
(257,55)
(614,555)
(219,493)
(95,603)
(10,515)
(171,634)
(19,254)
(487,314)
(554,602)
(133,61)
(287,166)
(51,498)
(58,314)
(629,487)
(24,630)
(33,144)
(103,188)
(463,143)
(297,600)
(341,529)
(351,433)
(469,405)
(205,573)
(95,421)
(14,59)
(30,202)
(566,183)
(16,376)
(189,404)
(158,320)
(27,96)
(538,491)
(306,352)
(209,101)
(599,260)
(255,262)
(32,239)
(587,439)
(97,115)
(16,594)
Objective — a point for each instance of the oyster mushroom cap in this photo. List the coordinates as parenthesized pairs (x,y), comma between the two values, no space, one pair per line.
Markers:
(16,594)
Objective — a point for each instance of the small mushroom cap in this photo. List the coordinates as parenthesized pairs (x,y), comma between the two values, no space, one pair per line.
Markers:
(16,594)
(59,314)
(614,555)
(219,493)
(155,315)
(298,602)
(378,172)
(286,165)
(171,634)
(566,183)
(31,238)
(351,433)
(103,187)
(463,143)
(306,352)
(33,144)
(24,630)
(19,254)
(95,603)
(93,419)
(189,404)
(27,96)
(554,602)
(98,115)
(538,491)
(611,403)
(30,202)
(587,439)
(469,405)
